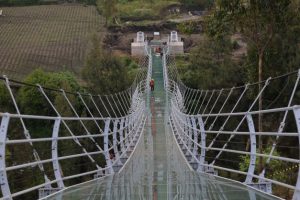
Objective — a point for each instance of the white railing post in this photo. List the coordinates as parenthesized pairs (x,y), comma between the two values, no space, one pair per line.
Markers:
(121,132)
(185,130)
(130,130)
(3,175)
(115,142)
(190,133)
(106,148)
(126,132)
(251,167)
(203,144)
(195,131)
(296,110)
(55,163)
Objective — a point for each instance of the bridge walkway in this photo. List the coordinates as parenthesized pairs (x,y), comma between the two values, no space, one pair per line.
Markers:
(157,169)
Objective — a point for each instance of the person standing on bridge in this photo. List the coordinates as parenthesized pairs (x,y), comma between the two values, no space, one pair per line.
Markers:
(152,84)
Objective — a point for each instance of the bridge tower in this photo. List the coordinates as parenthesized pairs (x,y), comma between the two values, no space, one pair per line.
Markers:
(138,45)
(175,43)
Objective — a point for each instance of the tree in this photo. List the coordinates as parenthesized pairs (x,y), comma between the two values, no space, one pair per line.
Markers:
(187,27)
(104,72)
(5,102)
(283,53)
(108,9)
(210,65)
(31,100)
(258,21)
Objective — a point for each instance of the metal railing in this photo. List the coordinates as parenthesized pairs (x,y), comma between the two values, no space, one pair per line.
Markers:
(50,153)
(217,130)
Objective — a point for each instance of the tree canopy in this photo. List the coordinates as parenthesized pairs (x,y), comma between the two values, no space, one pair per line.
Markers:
(106,73)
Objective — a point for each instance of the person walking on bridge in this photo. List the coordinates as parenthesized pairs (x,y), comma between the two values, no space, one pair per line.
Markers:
(152,84)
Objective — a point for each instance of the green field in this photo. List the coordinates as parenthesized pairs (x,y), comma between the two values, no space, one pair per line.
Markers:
(52,37)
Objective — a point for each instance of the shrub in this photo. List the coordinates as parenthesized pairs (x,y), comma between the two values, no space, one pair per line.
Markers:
(187,27)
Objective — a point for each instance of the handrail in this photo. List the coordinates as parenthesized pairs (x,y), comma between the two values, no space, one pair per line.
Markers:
(212,129)
(104,141)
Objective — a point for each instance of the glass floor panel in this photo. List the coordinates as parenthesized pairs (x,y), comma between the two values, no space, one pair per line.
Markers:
(157,169)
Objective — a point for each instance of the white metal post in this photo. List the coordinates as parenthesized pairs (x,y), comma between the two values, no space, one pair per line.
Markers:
(54,146)
(106,148)
(121,132)
(296,195)
(3,176)
(195,131)
(203,144)
(251,167)
(115,142)
(190,133)
(126,131)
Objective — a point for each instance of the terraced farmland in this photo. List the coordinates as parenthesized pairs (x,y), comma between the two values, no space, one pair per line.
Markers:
(52,37)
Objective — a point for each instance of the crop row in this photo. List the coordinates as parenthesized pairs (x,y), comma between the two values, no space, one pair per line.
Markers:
(51,37)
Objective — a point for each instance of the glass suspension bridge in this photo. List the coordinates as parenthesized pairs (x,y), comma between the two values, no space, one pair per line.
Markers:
(171,143)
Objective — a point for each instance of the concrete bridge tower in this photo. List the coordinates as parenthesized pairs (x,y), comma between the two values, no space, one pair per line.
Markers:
(175,43)
(138,45)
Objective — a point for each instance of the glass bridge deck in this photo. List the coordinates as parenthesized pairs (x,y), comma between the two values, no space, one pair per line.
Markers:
(157,169)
